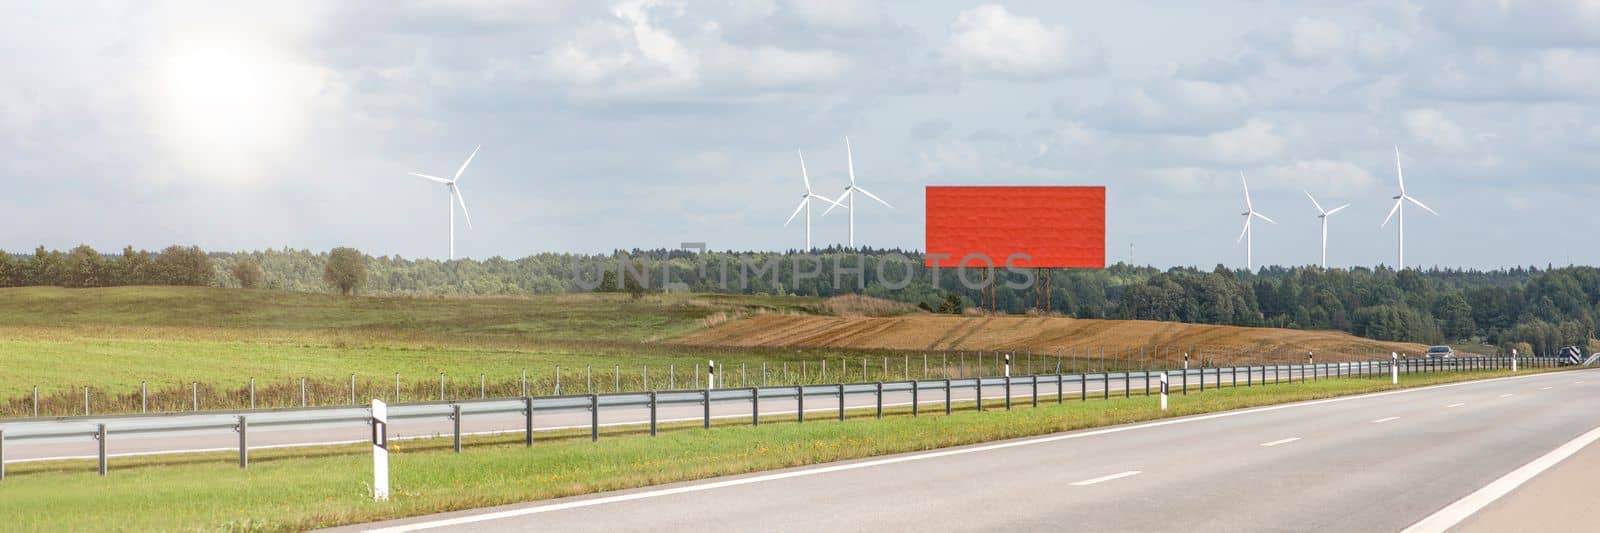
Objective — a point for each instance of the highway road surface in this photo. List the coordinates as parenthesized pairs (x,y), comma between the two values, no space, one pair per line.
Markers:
(1431,457)
(121,445)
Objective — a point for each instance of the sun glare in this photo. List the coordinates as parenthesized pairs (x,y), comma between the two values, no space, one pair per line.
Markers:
(227,100)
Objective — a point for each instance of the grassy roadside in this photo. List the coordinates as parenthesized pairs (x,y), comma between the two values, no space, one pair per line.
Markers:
(302,489)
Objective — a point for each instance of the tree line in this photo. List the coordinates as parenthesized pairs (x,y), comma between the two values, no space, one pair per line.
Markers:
(1537,309)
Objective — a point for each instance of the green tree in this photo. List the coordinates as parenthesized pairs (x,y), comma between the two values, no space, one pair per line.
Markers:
(183,265)
(346,270)
(247,272)
(85,268)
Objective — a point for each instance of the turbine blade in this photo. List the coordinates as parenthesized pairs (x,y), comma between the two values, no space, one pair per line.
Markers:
(1246,230)
(874,197)
(1263,217)
(1338,209)
(1396,209)
(1247,204)
(839,203)
(1419,204)
(824,198)
(796,211)
(1314,202)
(457,193)
(429,178)
(468,162)
(803,171)
(1398,172)
(850,160)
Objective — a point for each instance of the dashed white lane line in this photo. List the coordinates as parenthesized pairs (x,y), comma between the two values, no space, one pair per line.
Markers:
(1454,405)
(1506,395)
(1277,442)
(1386,419)
(1545,388)
(1103,479)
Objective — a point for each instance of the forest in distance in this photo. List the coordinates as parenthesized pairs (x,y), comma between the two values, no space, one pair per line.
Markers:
(1537,309)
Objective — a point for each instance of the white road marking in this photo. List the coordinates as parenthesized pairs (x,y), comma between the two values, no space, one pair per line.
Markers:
(1454,405)
(1277,442)
(1103,479)
(1385,419)
(1577,382)
(646,494)
(1454,513)
(1506,395)
(1545,388)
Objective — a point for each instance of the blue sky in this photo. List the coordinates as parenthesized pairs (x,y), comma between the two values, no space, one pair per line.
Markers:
(648,123)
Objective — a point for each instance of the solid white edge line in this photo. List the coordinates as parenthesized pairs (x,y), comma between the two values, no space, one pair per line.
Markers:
(1103,479)
(1454,405)
(804,472)
(1277,442)
(1453,514)
(1386,419)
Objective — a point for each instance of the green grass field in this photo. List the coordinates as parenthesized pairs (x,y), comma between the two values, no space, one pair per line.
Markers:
(308,488)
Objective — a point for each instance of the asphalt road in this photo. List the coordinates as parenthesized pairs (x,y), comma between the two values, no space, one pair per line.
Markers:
(120,445)
(1377,462)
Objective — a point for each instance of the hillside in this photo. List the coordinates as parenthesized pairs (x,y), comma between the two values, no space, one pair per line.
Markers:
(1038,334)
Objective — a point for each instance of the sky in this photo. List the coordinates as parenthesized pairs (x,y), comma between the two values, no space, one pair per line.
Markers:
(644,124)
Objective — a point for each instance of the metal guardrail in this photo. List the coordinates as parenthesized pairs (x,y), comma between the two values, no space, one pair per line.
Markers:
(103,427)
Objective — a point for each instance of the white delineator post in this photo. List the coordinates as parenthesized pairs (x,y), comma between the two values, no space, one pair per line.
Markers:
(380,451)
(1394,368)
(711,374)
(1163,391)
(1513,359)
(1008,365)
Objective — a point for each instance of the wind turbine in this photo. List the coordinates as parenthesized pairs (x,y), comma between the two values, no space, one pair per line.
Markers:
(805,201)
(1324,217)
(849,193)
(1399,201)
(1249,214)
(455,197)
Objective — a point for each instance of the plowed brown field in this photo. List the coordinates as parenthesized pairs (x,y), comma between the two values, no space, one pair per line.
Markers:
(1038,334)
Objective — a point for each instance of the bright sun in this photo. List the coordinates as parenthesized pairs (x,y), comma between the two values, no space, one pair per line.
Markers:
(227,102)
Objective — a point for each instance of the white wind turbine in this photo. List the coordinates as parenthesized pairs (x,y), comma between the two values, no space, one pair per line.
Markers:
(849,194)
(1249,214)
(455,198)
(1399,201)
(1324,214)
(805,201)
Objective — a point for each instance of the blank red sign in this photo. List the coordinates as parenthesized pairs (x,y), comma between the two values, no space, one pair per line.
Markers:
(1058,227)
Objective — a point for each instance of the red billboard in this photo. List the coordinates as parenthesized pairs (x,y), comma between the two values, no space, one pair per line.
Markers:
(1057,227)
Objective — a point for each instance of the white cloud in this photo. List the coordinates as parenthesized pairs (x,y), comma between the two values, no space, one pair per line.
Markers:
(1322,177)
(1562,71)
(1172,106)
(1315,41)
(1431,127)
(991,42)
(1253,142)
(1519,23)
(841,15)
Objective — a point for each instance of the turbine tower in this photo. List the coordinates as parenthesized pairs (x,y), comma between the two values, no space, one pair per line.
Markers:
(1398,202)
(1323,216)
(805,201)
(455,197)
(1248,235)
(849,193)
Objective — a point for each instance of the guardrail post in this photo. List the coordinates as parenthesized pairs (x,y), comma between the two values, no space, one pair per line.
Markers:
(194,395)
(302,392)
(755,404)
(1059,383)
(1105,384)
(483,386)
(1034,380)
(100,435)
(2,455)
(1235,379)
(1008,393)
(1126,384)
(841,396)
(441,386)
(1083,387)
(36,401)
(947,396)
(705,403)
(979,395)
(455,422)
(1186,377)
(253,391)
(594,417)
(879,394)
(1202,379)
(527,421)
(915,404)
(652,413)
(86,401)
(800,403)
(352,389)
(244,442)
